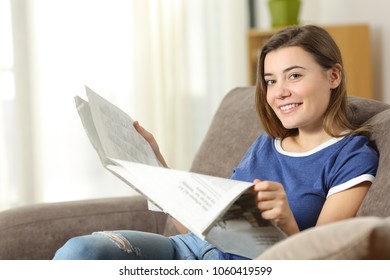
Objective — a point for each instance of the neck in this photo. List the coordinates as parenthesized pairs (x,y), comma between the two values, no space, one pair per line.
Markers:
(304,142)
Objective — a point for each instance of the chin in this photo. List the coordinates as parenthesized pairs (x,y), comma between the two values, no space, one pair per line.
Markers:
(289,126)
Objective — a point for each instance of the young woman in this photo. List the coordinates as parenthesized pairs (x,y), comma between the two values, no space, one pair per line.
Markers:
(311,167)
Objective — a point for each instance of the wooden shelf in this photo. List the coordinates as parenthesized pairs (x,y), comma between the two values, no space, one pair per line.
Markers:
(354,44)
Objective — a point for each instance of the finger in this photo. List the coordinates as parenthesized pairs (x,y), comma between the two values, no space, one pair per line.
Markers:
(265,195)
(268,214)
(265,186)
(137,126)
(146,134)
(264,205)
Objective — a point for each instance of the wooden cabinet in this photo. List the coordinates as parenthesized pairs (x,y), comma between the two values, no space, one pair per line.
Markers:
(354,44)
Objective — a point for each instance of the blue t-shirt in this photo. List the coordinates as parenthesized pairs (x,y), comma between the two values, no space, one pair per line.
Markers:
(310,177)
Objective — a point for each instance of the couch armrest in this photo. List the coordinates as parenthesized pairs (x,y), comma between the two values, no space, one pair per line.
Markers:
(350,239)
(37,231)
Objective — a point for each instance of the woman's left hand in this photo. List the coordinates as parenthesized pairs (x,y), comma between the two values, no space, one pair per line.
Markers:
(271,200)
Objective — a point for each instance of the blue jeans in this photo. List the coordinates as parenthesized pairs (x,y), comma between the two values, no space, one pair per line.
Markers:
(136,245)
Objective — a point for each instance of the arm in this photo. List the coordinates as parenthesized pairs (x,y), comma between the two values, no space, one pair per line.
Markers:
(272,202)
(344,204)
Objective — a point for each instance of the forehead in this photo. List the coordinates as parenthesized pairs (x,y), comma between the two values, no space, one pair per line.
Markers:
(285,57)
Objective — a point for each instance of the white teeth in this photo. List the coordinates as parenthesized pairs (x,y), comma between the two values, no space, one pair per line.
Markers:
(289,106)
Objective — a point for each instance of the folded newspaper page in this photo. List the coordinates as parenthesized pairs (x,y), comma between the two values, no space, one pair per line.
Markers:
(219,210)
(112,134)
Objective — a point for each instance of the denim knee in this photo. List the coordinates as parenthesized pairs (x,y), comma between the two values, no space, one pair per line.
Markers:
(79,248)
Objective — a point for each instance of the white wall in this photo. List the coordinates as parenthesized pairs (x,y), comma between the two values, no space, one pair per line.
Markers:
(374,12)
(160,61)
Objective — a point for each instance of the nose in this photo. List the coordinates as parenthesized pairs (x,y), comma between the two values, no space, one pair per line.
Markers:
(280,90)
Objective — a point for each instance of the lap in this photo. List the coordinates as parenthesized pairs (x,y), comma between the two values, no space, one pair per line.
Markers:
(137,245)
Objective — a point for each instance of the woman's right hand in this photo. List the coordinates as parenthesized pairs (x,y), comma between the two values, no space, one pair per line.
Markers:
(152,142)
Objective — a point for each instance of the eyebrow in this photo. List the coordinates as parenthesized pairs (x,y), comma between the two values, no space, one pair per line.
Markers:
(287,69)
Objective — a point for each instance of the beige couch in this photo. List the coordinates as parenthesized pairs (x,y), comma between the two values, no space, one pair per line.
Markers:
(35,232)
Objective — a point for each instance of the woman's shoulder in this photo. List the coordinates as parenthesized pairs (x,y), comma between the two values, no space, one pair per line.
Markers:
(358,141)
(358,146)
(262,139)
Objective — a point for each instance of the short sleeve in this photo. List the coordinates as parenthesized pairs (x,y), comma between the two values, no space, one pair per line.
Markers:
(355,163)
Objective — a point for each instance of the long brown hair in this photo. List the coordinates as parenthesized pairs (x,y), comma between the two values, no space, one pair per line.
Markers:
(318,43)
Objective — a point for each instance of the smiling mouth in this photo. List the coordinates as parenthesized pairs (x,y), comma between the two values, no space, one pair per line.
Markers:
(288,107)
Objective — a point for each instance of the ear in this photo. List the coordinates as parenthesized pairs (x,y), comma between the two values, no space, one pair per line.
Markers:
(335,76)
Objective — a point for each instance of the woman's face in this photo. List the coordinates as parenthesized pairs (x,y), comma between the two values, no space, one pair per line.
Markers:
(298,88)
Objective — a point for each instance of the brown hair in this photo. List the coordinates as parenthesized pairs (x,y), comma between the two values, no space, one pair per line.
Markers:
(318,43)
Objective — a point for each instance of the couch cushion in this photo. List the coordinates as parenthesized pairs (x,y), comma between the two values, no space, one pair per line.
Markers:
(362,109)
(377,201)
(356,238)
(37,231)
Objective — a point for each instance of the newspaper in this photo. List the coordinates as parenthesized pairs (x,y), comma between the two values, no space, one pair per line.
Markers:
(219,210)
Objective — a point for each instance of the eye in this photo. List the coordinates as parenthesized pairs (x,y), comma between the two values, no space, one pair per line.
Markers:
(269,82)
(295,76)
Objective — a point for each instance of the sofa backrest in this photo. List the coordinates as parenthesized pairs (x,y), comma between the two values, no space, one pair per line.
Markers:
(377,201)
(233,129)
(236,125)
